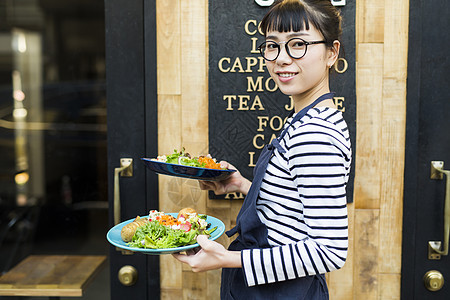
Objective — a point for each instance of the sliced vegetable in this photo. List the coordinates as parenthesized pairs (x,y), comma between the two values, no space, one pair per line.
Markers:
(209,231)
(185,159)
(166,231)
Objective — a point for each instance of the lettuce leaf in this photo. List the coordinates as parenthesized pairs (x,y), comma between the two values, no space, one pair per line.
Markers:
(153,235)
(183,158)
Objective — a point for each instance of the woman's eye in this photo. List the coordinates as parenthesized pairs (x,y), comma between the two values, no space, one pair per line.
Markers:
(298,44)
(271,46)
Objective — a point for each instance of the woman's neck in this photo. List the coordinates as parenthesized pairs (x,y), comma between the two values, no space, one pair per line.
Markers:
(303,100)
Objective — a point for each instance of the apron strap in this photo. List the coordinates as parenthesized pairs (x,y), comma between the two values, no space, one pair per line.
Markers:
(249,205)
(303,112)
(275,143)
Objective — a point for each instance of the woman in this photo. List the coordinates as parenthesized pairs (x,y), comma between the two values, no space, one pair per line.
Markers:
(293,225)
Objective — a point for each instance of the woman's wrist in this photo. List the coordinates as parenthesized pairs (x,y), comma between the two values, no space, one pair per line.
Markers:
(232,259)
(245,186)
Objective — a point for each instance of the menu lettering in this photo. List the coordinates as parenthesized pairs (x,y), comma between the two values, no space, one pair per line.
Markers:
(246,108)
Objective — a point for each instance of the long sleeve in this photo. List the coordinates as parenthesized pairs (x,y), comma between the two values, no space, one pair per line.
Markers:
(302,202)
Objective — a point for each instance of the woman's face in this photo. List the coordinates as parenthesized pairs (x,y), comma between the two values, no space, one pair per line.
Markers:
(306,75)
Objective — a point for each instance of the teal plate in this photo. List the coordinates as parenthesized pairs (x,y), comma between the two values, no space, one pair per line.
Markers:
(115,239)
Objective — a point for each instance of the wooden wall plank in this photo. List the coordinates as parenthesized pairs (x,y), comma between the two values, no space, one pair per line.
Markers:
(369,87)
(170,278)
(194,101)
(194,75)
(169,123)
(194,91)
(393,135)
(168,47)
(392,169)
(389,286)
(169,126)
(365,280)
(170,294)
(396,40)
(370,21)
(218,203)
(194,285)
(340,282)
(213,284)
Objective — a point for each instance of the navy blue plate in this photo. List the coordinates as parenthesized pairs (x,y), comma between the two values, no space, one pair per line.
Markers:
(187,171)
(113,236)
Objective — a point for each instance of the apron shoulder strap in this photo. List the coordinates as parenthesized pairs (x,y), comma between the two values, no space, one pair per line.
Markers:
(297,117)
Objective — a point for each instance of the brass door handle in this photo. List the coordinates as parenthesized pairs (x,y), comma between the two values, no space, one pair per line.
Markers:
(128,275)
(437,172)
(433,280)
(125,170)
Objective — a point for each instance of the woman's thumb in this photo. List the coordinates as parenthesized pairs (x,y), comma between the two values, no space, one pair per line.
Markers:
(202,240)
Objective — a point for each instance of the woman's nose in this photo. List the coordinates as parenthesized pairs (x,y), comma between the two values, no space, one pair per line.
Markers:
(283,56)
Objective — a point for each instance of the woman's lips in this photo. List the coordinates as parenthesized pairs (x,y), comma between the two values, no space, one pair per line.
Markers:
(286,76)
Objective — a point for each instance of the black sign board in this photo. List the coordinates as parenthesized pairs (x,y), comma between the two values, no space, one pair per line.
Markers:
(246,109)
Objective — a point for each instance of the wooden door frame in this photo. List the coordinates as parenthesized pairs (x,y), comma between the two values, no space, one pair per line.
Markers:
(130,28)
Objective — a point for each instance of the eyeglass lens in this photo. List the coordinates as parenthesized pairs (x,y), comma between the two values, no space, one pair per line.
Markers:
(296,48)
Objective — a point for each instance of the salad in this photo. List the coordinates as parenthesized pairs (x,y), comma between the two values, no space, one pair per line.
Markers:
(165,231)
(184,158)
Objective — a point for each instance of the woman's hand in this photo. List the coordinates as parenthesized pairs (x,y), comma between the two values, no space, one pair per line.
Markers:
(235,183)
(210,256)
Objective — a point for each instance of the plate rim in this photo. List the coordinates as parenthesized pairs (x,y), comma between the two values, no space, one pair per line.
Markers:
(206,174)
(193,167)
(162,250)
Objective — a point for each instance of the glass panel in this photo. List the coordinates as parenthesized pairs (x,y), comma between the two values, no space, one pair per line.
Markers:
(53,193)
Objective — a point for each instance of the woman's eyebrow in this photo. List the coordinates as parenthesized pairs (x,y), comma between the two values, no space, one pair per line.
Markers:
(271,37)
(297,34)
(289,36)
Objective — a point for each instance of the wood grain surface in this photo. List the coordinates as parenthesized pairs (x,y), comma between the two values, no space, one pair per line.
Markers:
(54,275)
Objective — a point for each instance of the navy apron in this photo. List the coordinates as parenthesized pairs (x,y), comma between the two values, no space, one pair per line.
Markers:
(253,235)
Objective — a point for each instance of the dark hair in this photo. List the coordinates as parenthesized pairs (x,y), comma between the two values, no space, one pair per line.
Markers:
(297,15)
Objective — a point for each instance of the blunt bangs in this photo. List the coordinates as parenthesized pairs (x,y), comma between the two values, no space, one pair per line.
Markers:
(289,16)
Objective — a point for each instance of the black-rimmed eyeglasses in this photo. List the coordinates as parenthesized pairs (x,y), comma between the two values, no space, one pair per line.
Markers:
(295,48)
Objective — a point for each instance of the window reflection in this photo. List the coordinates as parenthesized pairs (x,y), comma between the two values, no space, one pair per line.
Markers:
(53,194)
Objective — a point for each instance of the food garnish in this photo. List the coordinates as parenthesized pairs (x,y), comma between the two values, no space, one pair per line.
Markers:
(165,231)
(185,159)
(129,230)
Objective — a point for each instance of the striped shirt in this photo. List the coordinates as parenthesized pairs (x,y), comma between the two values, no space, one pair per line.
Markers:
(303,203)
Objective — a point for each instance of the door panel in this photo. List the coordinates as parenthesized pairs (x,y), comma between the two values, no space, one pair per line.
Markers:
(427,139)
(131,108)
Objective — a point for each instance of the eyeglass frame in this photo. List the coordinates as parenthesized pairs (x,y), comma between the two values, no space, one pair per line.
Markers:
(287,48)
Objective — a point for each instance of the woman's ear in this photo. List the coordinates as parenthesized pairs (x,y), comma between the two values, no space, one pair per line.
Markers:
(333,53)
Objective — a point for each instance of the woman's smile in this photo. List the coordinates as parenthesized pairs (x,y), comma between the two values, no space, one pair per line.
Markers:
(286,76)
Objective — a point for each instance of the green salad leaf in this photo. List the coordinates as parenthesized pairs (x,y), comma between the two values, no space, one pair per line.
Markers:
(183,158)
(154,235)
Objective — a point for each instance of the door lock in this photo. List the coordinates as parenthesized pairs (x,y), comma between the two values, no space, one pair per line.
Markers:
(433,280)
(128,275)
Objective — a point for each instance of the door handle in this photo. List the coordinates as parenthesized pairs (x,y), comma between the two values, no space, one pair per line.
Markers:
(125,170)
(434,247)
(128,275)
(433,280)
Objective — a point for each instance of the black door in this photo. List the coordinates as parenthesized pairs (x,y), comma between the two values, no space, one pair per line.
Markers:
(427,140)
(132,133)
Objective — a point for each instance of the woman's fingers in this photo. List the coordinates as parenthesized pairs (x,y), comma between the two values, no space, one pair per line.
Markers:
(181,257)
(207,185)
(203,241)
(232,184)
(190,252)
(226,165)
